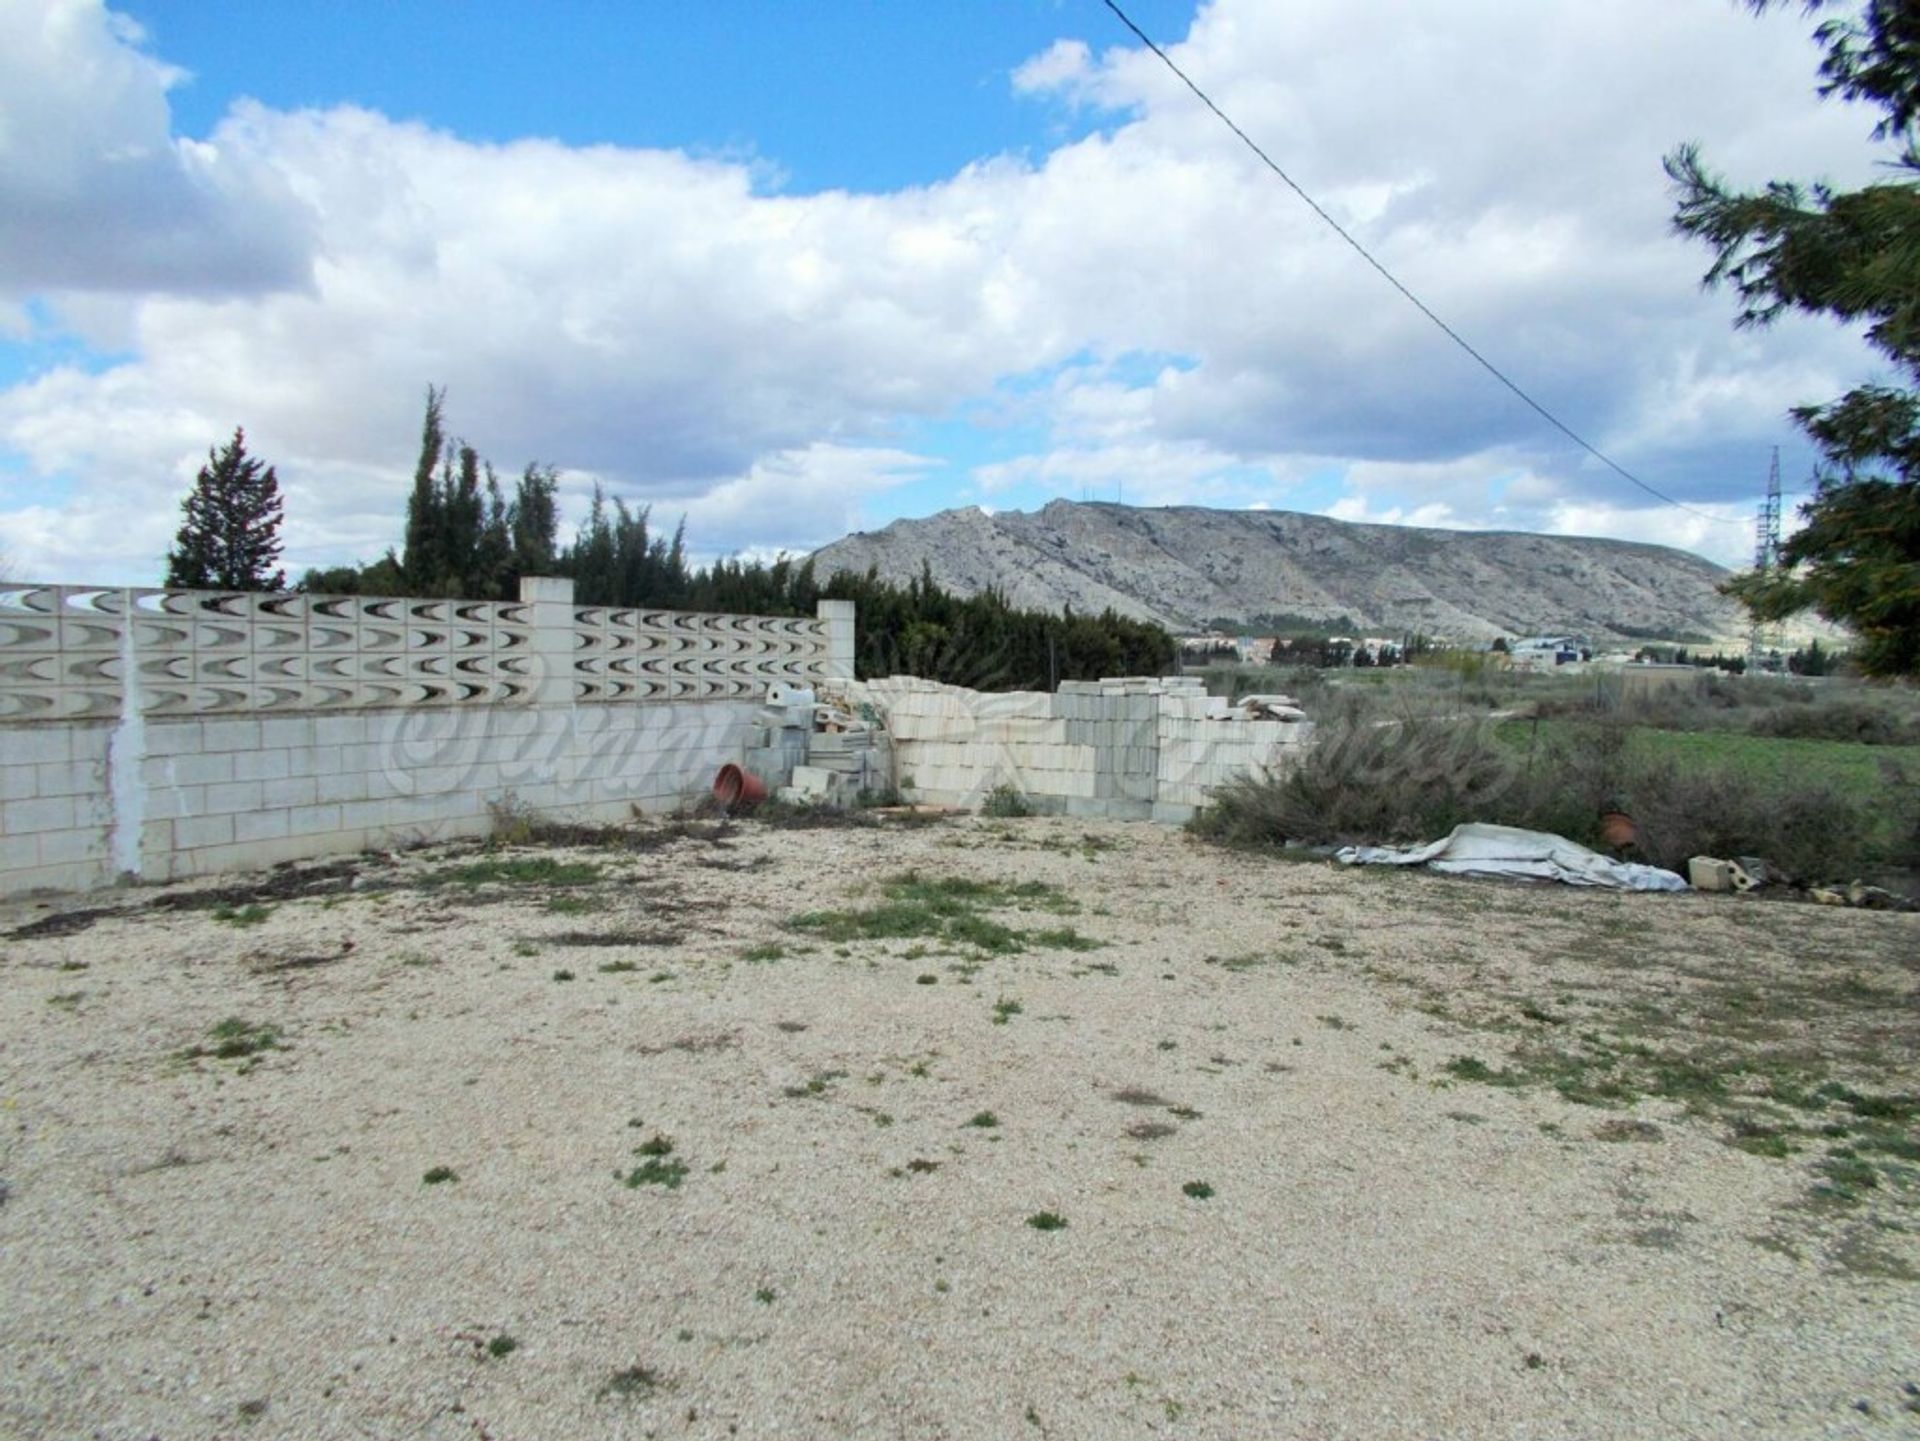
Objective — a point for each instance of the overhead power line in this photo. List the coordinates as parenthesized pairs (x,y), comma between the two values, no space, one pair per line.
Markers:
(1418,304)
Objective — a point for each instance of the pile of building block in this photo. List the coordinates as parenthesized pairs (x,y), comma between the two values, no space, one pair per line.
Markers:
(1130,748)
(782,728)
(1204,742)
(810,753)
(843,768)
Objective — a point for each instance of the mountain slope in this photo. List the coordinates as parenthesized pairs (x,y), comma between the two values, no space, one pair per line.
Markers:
(1181,565)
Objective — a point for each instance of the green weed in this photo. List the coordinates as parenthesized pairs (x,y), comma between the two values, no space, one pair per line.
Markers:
(251,915)
(655,1171)
(236,1039)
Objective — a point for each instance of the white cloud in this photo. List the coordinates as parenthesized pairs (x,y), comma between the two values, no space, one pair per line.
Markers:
(1147,473)
(660,321)
(812,496)
(96,193)
(1433,514)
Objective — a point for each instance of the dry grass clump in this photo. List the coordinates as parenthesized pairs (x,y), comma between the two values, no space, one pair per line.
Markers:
(1374,780)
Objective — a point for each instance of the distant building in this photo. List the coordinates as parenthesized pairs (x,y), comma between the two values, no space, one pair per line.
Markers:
(1544,652)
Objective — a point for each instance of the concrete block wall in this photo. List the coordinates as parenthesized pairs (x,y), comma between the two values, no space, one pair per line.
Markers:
(153,794)
(223,795)
(1128,748)
(229,794)
(54,809)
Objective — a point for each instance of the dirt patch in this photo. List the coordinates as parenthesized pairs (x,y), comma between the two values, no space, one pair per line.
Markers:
(419,1172)
(283,883)
(63,923)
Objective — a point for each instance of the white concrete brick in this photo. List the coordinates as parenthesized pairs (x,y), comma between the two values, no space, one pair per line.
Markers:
(93,810)
(437,780)
(369,758)
(339,730)
(174,738)
(377,815)
(64,847)
(319,760)
(286,733)
(434,810)
(166,803)
(230,735)
(292,791)
(156,842)
(508,721)
(314,820)
(199,769)
(74,876)
(68,778)
(344,786)
(37,744)
(46,813)
(233,798)
(261,825)
(193,832)
(262,765)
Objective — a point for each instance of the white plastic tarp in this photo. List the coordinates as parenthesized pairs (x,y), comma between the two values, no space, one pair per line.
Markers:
(1482,850)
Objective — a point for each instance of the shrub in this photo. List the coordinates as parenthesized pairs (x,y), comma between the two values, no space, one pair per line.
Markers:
(1368,779)
(1808,831)
(1838,720)
(1373,781)
(1005,802)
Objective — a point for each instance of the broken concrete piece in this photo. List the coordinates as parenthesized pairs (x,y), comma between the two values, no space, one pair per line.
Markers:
(1877,898)
(813,782)
(1271,707)
(1709,873)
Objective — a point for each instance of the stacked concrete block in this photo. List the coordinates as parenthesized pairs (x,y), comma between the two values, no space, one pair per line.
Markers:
(54,812)
(780,736)
(1126,747)
(81,805)
(860,760)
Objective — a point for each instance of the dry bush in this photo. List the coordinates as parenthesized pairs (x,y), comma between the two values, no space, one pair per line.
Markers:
(1841,719)
(1413,778)
(1370,780)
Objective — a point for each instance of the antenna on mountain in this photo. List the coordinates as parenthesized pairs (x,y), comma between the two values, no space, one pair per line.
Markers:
(1764,638)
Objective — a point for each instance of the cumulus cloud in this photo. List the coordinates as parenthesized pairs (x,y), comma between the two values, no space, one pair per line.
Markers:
(808,497)
(1169,316)
(95,190)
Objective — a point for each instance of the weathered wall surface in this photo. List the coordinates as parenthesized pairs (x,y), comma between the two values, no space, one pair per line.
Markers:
(1130,749)
(157,734)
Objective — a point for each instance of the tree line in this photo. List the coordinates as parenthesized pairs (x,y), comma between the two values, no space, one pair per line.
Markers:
(465,537)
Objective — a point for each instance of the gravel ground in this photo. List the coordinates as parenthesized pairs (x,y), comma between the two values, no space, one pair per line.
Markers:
(194,1245)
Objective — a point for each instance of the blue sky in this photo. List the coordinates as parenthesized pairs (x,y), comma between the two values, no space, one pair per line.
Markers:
(794,270)
(868,96)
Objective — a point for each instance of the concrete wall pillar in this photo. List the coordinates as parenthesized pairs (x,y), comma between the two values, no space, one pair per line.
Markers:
(550,599)
(838,617)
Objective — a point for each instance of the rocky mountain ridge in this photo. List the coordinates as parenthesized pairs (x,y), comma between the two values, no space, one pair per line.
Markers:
(1181,566)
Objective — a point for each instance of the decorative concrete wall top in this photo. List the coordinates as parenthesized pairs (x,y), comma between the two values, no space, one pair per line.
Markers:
(81,653)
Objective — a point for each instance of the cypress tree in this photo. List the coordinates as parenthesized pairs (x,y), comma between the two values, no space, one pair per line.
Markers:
(423,547)
(534,522)
(229,538)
